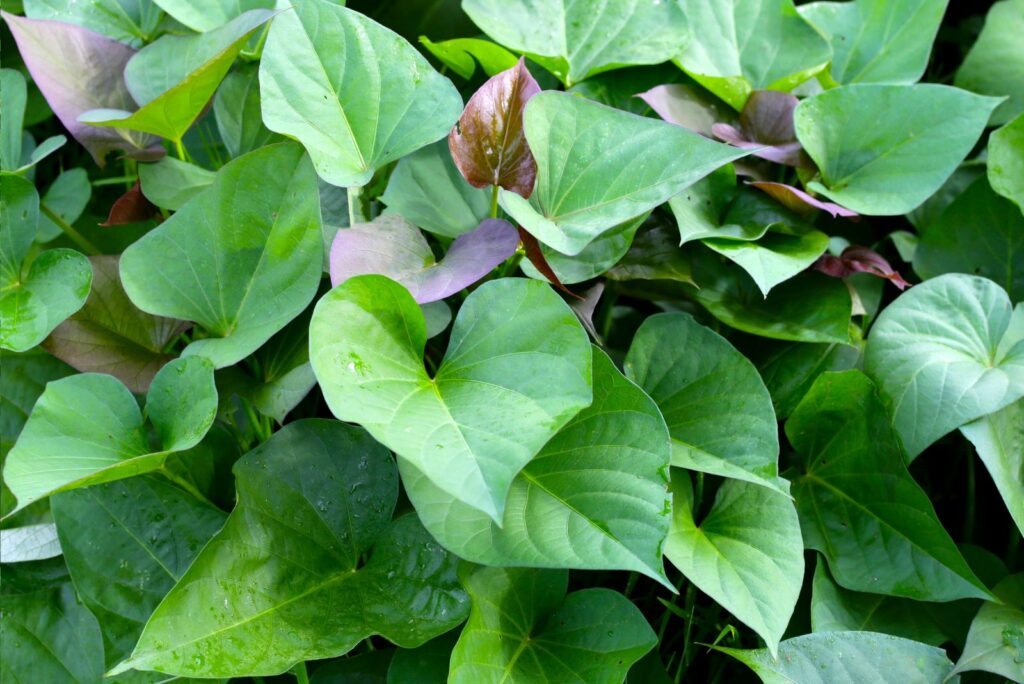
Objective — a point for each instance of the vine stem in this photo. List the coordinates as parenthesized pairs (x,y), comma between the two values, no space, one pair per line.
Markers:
(494,201)
(179,149)
(300,672)
(355,206)
(70,231)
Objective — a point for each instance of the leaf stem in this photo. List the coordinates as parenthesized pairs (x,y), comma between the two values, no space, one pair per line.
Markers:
(186,485)
(301,676)
(690,607)
(494,201)
(355,206)
(70,231)
(179,149)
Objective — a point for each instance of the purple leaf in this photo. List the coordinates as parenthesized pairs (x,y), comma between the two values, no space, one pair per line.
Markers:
(799,201)
(488,143)
(685,106)
(855,259)
(78,70)
(391,246)
(131,207)
(766,122)
(540,262)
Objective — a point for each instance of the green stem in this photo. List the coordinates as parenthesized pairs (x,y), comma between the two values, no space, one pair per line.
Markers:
(116,180)
(301,676)
(70,231)
(186,485)
(355,206)
(179,149)
(494,201)
(690,607)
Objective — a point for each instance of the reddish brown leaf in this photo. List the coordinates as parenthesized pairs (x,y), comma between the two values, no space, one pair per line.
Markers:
(799,201)
(767,123)
(536,257)
(488,143)
(131,207)
(855,259)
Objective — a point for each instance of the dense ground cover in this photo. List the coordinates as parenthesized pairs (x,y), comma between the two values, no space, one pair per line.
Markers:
(512,341)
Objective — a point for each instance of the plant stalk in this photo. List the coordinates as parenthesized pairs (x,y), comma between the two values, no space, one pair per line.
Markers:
(70,231)
(355,206)
(179,149)
(301,676)
(494,201)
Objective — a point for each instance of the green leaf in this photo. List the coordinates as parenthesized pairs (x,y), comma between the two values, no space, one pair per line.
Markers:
(999,440)
(48,636)
(598,167)
(653,255)
(87,429)
(523,628)
(946,352)
(996,641)
(738,46)
(174,78)
(995,63)
(790,368)
(237,110)
(29,543)
(575,40)
(12,107)
(593,498)
(170,183)
(858,503)
(110,335)
(427,190)
(717,408)
(126,543)
(324,81)
(427,664)
(746,553)
(596,258)
(461,55)
(241,260)
(1006,161)
(288,589)
(847,658)
(518,368)
(980,233)
(883,150)
(877,41)
(206,15)
(67,197)
(834,609)
(774,258)
(129,21)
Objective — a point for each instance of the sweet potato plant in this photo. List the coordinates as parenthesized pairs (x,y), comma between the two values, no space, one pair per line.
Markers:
(512,341)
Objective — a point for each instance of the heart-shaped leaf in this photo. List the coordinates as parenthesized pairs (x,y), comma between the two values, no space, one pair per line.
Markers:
(883,150)
(598,167)
(170,183)
(207,15)
(1006,161)
(992,66)
(392,247)
(593,498)
(766,127)
(746,553)
(78,70)
(858,503)
(718,410)
(151,532)
(87,429)
(877,41)
(323,82)
(237,110)
(996,641)
(283,598)
(427,189)
(110,335)
(738,46)
(488,143)
(241,259)
(999,440)
(774,258)
(518,368)
(947,352)
(790,368)
(523,628)
(580,39)
(174,78)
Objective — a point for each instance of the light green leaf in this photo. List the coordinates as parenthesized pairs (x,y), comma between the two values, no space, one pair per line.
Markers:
(883,150)
(87,429)
(1006,161)
(979,233)
(518,368)
(170,183)
(593,498)
(237,110)
(877,41)
(574,40)
(946,352)
(999,440)
(738,46)
(773,258)
(174,78)
(858,503)
(206,15)
(995,63)
(126,543)
(716,406)
(847,658)
(427,190)
(67,197)
(129,21)
(598,167)
(283,597)
(353,92)
(524,629)
(12,116)
(461,55)
(596,258)
(746,553)
(29,543)
(241,259)
(996,641)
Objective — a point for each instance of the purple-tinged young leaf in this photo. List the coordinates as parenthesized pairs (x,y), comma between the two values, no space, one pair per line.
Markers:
(801,202)
(78,70)
(131,207)
(686,106)
(855,259)
(536,256)
(391,246)
(488,143)
(766,122)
